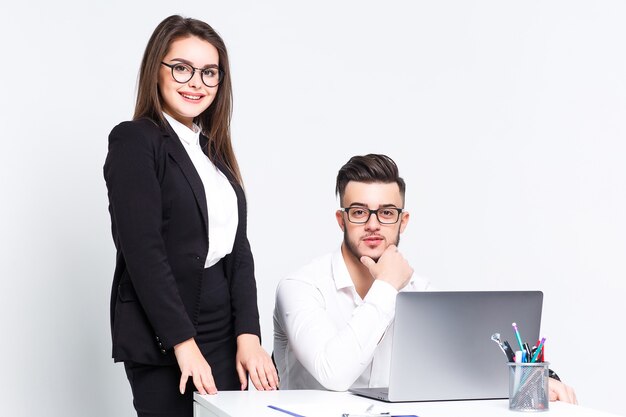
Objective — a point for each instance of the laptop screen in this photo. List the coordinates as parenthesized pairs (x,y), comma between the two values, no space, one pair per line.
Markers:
(442,347)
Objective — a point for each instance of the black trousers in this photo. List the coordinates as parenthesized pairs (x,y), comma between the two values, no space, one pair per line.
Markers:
(155,388)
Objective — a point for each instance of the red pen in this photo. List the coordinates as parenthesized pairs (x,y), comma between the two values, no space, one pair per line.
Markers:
(538,351)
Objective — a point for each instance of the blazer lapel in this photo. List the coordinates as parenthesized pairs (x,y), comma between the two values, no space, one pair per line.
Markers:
(179,154)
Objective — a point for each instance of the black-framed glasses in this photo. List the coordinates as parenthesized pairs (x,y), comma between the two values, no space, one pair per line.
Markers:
(182,73)
(361,215)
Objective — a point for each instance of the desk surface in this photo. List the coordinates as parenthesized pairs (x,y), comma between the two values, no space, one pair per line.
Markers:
(313,403)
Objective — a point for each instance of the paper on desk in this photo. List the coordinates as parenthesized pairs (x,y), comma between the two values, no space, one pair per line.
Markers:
(321,410)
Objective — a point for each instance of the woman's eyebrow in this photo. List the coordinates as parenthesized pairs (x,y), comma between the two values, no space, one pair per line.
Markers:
(185,61)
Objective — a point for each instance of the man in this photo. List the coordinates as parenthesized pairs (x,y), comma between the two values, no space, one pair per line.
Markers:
(333,320)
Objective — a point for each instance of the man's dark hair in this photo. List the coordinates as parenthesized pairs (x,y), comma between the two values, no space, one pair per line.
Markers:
(368,168)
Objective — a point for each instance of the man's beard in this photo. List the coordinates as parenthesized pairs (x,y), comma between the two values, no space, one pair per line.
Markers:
(354,251)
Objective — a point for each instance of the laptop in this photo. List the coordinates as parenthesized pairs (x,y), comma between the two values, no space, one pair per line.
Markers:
(442,348)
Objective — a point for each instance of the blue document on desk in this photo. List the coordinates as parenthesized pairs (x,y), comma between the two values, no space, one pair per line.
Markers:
(442,348)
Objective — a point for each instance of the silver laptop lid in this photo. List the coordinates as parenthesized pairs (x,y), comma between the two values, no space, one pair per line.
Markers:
(442,347)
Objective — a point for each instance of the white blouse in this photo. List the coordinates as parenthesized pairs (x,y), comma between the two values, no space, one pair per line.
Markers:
(220,195)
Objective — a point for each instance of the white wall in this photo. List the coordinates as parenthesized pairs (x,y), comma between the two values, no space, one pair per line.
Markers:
(507,120)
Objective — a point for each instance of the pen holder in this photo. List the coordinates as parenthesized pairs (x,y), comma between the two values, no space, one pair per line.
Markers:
(528,386)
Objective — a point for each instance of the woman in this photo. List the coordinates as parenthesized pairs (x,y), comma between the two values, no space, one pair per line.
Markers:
(183,303)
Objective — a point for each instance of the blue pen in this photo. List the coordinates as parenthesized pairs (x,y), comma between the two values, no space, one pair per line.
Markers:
(273,407)
(519,339)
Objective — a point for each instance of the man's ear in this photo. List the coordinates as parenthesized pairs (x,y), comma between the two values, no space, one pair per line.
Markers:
(340,222)
(404,220)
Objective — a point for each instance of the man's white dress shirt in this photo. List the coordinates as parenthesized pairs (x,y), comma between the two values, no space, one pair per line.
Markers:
(220,196)
(326,336)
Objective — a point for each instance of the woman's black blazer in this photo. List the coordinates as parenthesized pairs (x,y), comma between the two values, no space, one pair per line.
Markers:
(159,223)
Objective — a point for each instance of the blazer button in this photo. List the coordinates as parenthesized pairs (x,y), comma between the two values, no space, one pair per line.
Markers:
(163,351)
(157,338)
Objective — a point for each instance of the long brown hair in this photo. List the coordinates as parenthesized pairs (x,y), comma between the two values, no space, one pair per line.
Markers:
(214,121)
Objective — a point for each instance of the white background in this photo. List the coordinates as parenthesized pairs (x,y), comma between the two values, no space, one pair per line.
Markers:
(507,120)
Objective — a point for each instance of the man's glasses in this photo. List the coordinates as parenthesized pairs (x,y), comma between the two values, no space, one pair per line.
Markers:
(182,73)
(361,215)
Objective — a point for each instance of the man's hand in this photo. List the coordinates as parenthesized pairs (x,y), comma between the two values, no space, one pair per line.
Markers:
(192,364)
(561,392)
(253,359)
(391,267)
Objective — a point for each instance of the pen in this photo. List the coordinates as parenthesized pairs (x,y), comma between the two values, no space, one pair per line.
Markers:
(273,407)
(519,339)
(366,415)
(377,415)
(528,352)
(539,349)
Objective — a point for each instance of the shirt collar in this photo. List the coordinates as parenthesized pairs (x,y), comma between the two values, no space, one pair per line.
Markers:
(188,136)
(340,271)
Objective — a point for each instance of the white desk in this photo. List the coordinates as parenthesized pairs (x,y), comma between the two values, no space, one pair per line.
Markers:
(312,403)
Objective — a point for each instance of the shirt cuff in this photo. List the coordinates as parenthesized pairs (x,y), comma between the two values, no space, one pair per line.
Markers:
(383,296)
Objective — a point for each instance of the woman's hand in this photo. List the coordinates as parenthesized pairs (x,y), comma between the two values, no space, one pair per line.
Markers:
(561,392)
(253,359)
(192,364)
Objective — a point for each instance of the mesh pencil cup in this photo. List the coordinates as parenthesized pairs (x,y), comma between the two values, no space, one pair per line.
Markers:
(528,386)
